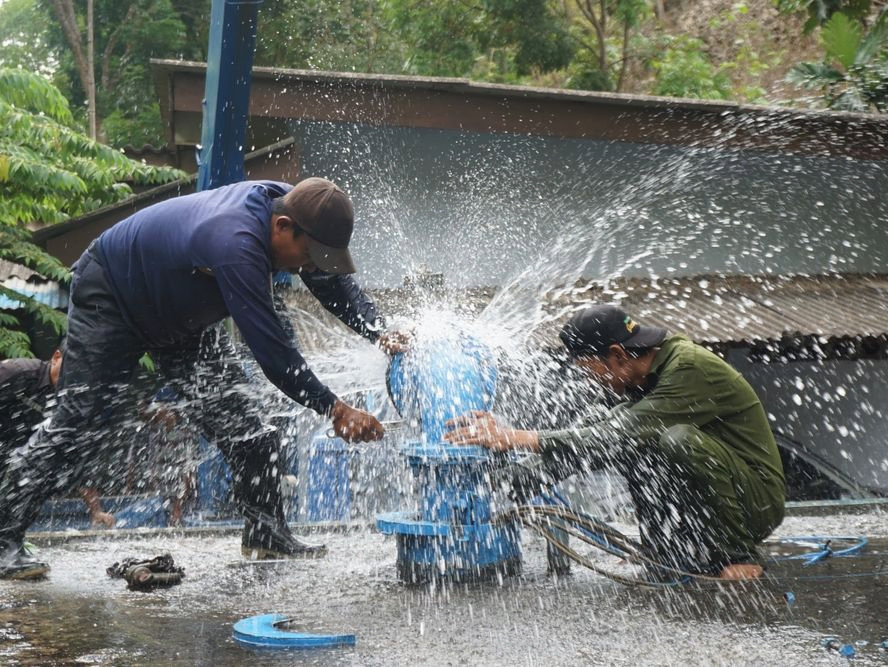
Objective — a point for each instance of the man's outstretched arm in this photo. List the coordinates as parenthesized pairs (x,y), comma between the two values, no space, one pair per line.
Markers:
(342,296)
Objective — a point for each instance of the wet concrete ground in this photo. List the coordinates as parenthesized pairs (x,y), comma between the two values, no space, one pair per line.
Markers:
(79,616)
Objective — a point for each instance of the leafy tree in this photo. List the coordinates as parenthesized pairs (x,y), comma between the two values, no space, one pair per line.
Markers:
(605,35)
(48,173)
(853,75)
(23,43)
(349,35)
(683,70)
(440,38)
(820,11)
(536,33)
(128,34)
(508,38)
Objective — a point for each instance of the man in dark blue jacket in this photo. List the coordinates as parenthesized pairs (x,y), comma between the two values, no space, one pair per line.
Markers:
(158,282)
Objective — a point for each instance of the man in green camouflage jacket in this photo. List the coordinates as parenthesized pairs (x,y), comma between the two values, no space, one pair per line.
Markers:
(690,437)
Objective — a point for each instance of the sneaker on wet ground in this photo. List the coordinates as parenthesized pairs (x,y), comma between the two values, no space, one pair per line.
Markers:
(264,542)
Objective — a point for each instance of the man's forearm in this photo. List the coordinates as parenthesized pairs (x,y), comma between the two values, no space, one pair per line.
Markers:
(528,441)
(587,446)
(342,296)
(91,498)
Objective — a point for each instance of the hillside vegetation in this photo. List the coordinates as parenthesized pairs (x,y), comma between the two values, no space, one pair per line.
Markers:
(836,51)
(750,41)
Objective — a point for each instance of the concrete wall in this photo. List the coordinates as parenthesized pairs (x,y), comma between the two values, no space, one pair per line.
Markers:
(482,208)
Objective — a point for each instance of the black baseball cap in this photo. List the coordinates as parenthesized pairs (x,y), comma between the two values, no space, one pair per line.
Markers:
(593,330)
(325,213)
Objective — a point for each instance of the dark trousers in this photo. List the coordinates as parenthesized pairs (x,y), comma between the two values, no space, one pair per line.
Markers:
(699,506)
(99,392)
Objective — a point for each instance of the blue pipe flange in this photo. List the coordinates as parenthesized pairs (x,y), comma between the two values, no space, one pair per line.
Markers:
(267,630)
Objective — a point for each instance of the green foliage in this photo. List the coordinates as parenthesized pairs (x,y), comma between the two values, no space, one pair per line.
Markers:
(351,35)
(34,94)
(604,30)
(127,35)
(500,40)
(683,70)
(748,57)
(23,44)
(142,126)
(585,75)
(841,38)
(13,343)
(820,11)
(853,75)
(48,173)
(590,79)
(503,39)
(536,37)
(146,362)
(440,39)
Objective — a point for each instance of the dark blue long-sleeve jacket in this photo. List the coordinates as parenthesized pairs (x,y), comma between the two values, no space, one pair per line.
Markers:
(184,264)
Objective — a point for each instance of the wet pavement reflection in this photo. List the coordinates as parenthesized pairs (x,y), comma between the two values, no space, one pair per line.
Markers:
(80,616)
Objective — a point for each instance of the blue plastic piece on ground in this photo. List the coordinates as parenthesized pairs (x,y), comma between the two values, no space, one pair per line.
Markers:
(833,644)
(267,630)
(790,598)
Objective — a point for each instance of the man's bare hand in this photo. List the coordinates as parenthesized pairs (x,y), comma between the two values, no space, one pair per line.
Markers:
(353,425)
(480,428)
(393,342)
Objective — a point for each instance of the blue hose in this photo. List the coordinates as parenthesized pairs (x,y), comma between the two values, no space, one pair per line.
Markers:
(825,550)
(826,546)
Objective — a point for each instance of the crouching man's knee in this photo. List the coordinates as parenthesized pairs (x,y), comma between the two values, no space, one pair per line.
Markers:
(681,443)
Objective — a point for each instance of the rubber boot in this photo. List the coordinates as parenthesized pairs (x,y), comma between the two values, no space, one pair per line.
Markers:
(255,466)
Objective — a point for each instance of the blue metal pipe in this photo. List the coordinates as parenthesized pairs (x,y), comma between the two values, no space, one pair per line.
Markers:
(227,95)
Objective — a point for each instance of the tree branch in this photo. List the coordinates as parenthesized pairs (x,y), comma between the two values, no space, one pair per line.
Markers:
(64,10)
(585,7)
(625,59)
(111,45)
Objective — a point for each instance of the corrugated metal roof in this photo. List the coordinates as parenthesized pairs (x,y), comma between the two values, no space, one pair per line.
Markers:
(717,311)
(749,309)
(25,281)
(11,269)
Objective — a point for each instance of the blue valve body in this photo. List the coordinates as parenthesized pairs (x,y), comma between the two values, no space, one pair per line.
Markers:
(453,533)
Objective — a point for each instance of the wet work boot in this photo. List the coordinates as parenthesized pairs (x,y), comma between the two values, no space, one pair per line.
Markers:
(19,564)
(273,540)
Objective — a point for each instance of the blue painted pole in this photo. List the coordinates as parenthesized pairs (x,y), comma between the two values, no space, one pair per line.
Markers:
(227,94)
